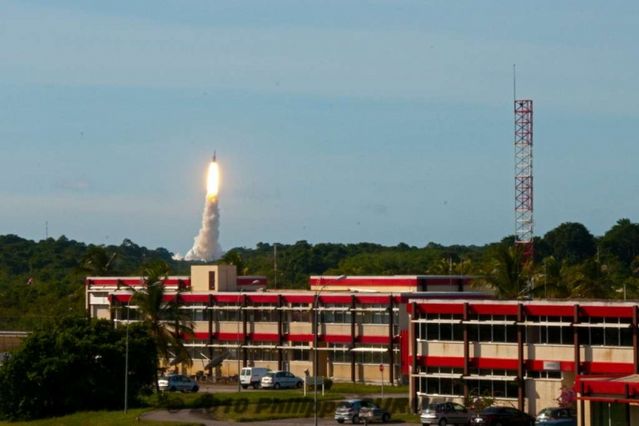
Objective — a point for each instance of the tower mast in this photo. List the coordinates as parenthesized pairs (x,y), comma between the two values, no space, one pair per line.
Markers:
(524,176)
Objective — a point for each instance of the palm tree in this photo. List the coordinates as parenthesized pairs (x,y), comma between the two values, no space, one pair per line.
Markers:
(97,262)
(165,322)
(507,273)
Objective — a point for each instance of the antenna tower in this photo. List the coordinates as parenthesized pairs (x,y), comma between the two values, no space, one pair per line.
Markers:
(524,176)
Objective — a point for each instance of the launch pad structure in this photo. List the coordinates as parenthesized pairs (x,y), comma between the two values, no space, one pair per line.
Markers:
(524,176)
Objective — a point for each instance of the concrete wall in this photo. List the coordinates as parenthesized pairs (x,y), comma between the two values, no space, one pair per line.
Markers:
(225,278)
(541,393)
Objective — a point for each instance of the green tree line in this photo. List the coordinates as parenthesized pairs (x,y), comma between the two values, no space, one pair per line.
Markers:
(45,279)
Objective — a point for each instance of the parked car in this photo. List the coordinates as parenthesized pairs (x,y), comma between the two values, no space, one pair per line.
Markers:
(252,376)
(353,410)
(445,413)
(557,416)
(370,413)
(281,379)
(502,416)
(177,382)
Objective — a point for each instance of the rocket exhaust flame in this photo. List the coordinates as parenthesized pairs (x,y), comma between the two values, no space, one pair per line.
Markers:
(206,246)
(212,181)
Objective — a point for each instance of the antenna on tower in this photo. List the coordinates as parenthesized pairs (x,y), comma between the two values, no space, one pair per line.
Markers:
(514,82)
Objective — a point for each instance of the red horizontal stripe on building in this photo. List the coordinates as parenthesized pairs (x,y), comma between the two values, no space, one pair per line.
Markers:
(263,298)
(607,368)
(338,338)
(372,300)
(300,337)
(440,361)
(376,340)
(194,298)
(494,363)
(265,337)
(549,310)
(364,282)
(493,309)
(607,311)
(122,298)
(199,335)
(234,298)
(441,308)
(335,300)
(228,337)
(298,298)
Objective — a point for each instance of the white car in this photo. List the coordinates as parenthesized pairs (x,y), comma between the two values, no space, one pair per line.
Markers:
(252,376)
(177,382)
(281,379)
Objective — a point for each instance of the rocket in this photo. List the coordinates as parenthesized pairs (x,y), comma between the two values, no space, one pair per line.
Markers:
(213,160)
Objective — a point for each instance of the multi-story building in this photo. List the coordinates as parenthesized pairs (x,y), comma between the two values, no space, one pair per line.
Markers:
(526,353)
(447,340)
(358,325)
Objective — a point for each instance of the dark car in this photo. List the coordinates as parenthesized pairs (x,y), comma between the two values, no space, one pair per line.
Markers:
(502,416)
(445,413)
(353,409)
(556,416)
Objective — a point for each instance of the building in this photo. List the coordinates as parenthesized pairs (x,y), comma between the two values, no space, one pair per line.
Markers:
(359,325)
(524,352)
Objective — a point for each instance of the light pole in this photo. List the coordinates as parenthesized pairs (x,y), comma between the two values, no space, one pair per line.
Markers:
(237,353)
(317,329)
(126,357)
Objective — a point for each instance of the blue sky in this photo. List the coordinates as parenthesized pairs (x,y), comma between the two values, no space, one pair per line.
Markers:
(339,121)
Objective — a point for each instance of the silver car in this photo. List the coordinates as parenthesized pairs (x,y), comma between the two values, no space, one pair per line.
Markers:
(280,379)
(349,411)
(177,382)
(445,413)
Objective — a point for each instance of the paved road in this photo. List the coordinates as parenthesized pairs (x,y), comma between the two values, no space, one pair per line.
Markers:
(200,416)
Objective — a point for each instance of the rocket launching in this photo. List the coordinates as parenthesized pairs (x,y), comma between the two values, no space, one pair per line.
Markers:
(206,246)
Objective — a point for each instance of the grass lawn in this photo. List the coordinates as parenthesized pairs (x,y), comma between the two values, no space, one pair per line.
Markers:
(95,418)
(362,389)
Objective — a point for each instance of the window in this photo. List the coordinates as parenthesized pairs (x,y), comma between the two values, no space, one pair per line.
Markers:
(492,328)
(301,312)
(378,314)
(258,354)
(340,353)
(549,330)
(441,327)
(606,332)
(373,357)
(299,354)
(337,316)
(262,312)
(441,385)
(543,375)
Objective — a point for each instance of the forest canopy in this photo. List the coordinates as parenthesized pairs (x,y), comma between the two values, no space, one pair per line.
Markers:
(45,279)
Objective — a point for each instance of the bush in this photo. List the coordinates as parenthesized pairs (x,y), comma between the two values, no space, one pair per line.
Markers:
(74,365)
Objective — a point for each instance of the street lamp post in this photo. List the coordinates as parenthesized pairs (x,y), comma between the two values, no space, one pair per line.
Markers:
(237,353)
(315,342)
(126,358)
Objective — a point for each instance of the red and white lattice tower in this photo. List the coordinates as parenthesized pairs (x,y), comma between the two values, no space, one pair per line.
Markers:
(524,175)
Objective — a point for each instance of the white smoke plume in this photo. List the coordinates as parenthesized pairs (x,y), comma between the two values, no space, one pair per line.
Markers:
(206,246)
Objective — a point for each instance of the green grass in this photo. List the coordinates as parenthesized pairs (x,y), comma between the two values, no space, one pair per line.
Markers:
(95,418)
(362,389)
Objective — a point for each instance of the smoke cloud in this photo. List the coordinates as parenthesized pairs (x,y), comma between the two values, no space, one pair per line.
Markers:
(206,246)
